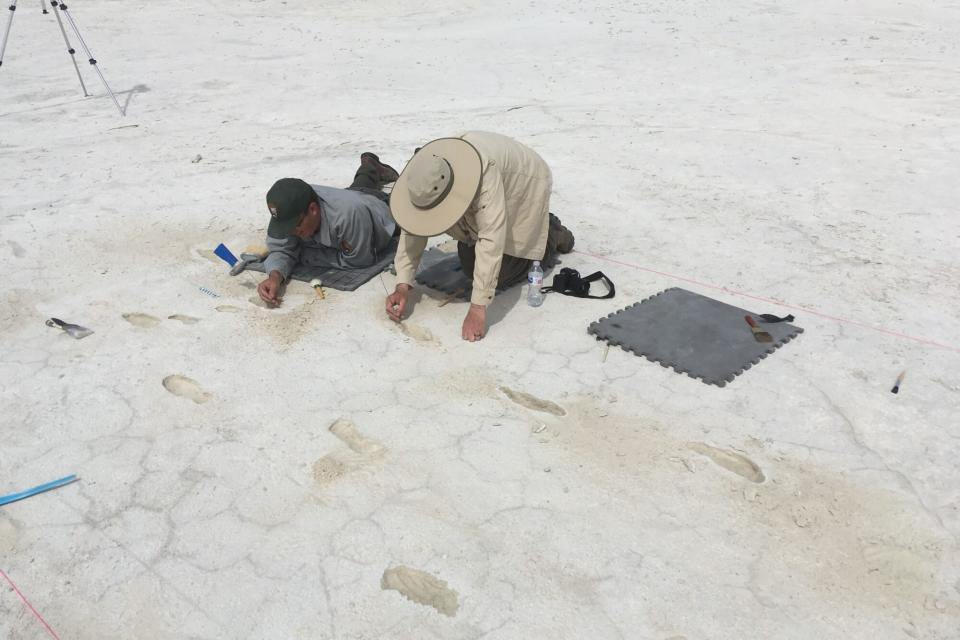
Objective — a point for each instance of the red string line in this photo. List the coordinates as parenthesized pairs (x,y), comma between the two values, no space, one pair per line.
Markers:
(744,294)
(29,606)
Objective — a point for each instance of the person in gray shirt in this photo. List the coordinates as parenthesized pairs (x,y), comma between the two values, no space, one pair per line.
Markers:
(327,227)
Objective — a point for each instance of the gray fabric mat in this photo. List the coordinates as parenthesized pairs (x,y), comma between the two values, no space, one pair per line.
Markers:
(442,271)
(340,279)
(692,334)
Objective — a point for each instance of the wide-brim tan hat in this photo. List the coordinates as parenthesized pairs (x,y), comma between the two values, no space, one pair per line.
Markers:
(436,187)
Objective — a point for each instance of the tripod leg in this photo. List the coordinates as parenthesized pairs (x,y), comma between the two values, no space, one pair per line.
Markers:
(43,7)
(92,60)
(70,49)
(6,34)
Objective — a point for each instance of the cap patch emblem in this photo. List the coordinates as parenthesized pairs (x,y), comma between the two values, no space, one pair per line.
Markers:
(273,209)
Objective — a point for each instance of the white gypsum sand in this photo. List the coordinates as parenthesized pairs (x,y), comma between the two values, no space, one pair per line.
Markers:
(797,152)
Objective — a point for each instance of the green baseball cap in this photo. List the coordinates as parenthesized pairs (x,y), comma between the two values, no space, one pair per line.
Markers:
(287,200)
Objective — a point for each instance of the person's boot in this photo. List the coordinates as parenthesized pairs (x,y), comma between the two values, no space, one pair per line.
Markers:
(385,173)
(565,237)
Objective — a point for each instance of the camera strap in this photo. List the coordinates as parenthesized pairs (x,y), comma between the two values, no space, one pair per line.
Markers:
(569,282)
(769,317)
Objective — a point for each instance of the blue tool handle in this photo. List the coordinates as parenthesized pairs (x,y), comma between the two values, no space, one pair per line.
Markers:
(224,254)
(56,484)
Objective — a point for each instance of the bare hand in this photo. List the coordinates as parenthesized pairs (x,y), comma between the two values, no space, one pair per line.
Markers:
(269,289)
(475,324)
(397,302)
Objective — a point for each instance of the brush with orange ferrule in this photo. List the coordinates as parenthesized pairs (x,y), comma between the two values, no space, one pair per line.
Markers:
(759,334)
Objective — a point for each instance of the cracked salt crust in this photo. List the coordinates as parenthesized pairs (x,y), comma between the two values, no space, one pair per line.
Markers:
(824,184)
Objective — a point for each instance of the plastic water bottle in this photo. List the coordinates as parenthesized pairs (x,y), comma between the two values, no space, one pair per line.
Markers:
(535,280)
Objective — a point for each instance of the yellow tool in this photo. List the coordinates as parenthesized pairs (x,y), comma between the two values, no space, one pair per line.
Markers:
(258,250)
(451,297)
(318,287)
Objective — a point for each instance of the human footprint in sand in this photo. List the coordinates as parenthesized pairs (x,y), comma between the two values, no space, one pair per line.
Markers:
(327,227)
(490,193)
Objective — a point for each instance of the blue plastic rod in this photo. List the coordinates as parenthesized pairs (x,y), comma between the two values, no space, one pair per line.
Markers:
(56,484)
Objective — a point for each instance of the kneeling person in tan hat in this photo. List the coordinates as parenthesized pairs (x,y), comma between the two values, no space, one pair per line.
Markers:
(490,193)
(325,226)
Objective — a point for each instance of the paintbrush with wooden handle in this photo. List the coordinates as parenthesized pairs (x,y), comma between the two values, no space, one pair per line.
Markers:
(759,334)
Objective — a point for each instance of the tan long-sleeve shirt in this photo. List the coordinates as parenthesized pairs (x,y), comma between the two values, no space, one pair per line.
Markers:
(510,215)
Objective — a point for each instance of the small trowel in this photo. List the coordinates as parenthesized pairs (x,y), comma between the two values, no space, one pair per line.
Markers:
(73,330)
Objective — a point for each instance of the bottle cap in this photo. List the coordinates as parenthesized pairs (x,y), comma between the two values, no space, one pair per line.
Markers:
(536,263)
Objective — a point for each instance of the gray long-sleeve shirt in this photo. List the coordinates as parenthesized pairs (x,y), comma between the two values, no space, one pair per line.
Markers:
(354,228)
